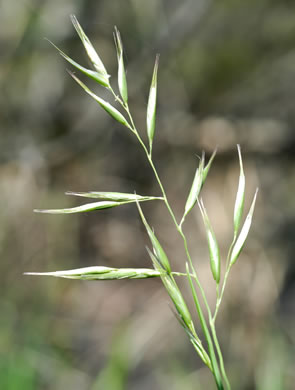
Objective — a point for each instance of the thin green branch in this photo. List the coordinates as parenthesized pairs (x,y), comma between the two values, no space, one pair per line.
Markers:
(178,226)
(216,342)
(215,366)
(227,270)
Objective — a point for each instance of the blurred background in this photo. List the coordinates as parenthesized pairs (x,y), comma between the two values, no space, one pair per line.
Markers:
(226,76)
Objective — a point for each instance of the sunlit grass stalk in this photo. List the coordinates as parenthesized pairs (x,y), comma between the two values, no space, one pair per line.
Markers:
(159,259)
(215,368)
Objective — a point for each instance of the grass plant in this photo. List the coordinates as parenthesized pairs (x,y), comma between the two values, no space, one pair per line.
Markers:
(209,352)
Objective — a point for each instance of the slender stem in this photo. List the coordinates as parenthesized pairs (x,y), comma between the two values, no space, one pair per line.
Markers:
(148,155)
(194,272)
(228,267)
(217,291)
(230,250)
(219,299)
(182,221)
(216,342)
(178,226)
(215,368)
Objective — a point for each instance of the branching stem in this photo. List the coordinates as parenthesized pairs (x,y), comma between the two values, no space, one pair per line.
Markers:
(228,268)
(193,274)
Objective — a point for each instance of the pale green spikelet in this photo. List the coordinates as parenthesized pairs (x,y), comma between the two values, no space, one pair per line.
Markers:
(243,233)
(240,198)
(122,82)
(102,273)
(92,54)
(152,106)
(212,244)
(105,105)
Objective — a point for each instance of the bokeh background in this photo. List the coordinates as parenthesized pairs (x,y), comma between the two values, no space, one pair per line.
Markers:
(226,76)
